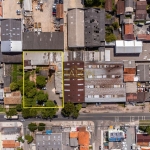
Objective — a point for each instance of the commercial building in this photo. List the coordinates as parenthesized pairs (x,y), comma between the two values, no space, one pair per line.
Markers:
(74,81)
(128,47)
(76,27)
(51,141)
(104,82)
(43,41)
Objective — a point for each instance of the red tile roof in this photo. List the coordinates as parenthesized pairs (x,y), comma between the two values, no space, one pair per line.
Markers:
(140,14)
(143,37)
(143,138)
(120,7)
(128,28)
(10,144)
(129,77)
(73,134)
(129,70)
(83,138)
(108,5)
(131,97)
(129,37)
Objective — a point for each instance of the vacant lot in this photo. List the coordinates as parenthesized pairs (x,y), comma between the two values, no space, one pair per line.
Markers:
(9,9)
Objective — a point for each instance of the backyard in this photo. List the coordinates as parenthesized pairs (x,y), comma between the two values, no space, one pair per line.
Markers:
(17,72)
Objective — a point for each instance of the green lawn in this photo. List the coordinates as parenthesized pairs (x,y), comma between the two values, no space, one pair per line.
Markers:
(16,72)
(2,109)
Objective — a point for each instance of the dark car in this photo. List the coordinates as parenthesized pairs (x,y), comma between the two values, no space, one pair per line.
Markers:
(55,116)
(55,102)
(54,11)
(56,1)
(61,1)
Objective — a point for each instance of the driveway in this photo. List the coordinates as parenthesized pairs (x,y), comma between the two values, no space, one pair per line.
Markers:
(51,91)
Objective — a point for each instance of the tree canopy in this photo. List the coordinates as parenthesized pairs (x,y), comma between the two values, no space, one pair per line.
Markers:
(14,86)
(40,81)
(41,97)
(41,127)
(29,138)
(11,112)
(32,127)
(19,107)
(26,113)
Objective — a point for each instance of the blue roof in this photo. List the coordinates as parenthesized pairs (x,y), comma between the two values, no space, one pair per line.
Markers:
(48,131)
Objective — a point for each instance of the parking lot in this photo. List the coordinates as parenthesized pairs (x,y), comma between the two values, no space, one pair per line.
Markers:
(45,17)
(9,9)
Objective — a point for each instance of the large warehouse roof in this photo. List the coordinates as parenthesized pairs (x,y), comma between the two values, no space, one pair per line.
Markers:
(76,27)
(128,46)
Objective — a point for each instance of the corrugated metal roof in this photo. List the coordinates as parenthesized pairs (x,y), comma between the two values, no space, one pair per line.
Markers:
(108,5)
(27,5)
(140,14)
(141,5)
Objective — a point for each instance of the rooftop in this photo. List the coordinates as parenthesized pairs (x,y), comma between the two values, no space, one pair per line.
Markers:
(140,5)
(11,38)
(10,144)
(128,28)
(59,12)
(131,87)
(94,27)
(76,27)
(73,134)
(108,5)
(83,138)
(43,41)
(141,14)
(120,7)
(143,138)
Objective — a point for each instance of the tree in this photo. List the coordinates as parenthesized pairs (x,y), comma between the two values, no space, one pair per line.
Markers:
(29,138)
(75,114)
(11,112)
(37,70)
(45,114)
(31,93)
(68,109)
(110,38)
(25,113)
(148,130)
(32,127)
(20,139)
(78,107)
(40,81)
(14,86)
(26,76)
(115,25)
(41,127)
(89,2)
(49,103)
(19,148)
(28,85)
(41,97)
(33,112)
(19,107)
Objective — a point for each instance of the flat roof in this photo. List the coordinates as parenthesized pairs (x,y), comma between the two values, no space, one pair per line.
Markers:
(43,41)
(59,12)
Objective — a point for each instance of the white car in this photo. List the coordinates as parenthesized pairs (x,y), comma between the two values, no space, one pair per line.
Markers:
(44,88)
(22,120)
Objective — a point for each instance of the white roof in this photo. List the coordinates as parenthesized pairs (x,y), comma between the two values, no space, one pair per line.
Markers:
(107,55)
(128,46)
(11,46)
(27,5)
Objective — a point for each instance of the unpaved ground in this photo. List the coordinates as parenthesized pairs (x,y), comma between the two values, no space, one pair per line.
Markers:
(115,108)
(33,78)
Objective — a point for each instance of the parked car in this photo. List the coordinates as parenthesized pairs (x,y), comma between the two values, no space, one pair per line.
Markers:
(18,12)
(55,116)
(44,88)
(61,1)
(54,12)
(55,102)
(56,2)
(22,120)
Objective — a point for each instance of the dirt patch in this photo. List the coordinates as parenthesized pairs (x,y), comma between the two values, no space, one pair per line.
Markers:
(33,77)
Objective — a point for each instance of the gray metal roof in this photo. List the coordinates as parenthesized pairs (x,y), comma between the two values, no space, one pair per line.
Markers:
(76,27)
(43,41)
(94,27)
(7,81)
(129,3)
(11,29)
(143,72)
(73,142)
(52,141)
(10,130)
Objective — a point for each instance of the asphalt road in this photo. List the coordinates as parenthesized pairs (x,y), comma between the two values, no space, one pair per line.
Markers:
(117,117)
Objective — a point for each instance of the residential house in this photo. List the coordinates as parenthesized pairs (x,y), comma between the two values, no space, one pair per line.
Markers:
(104,82)
(143,139)
(12,99)
(74,81)
(76,27)
(128,47)
(120,7)
(143,37)
(129,6)
(10,144)
(43,41)
(141,12)
(108,5)
(128,33)
(51,141)
(59,12)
